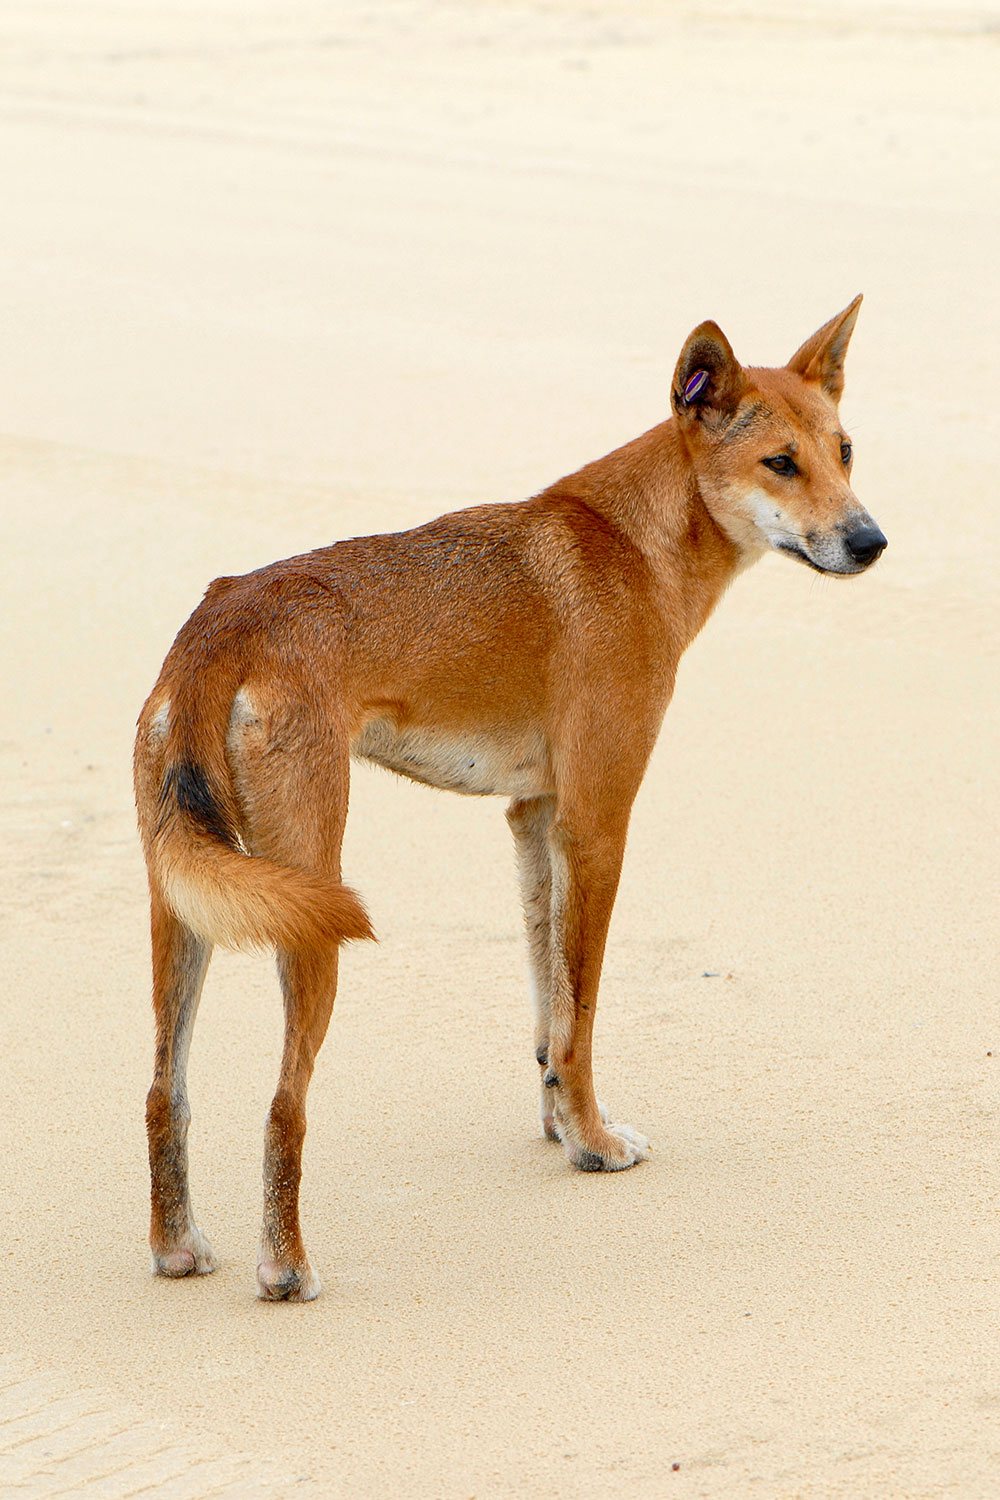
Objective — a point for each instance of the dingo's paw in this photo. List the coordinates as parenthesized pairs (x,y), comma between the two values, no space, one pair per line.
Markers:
(282,1283)
(191,1256)
(617,1148)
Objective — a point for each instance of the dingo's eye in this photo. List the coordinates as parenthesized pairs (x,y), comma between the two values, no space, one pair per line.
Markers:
(845,453)
(782,463)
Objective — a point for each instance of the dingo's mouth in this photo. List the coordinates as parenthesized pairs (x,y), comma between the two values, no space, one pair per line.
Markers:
(846,565)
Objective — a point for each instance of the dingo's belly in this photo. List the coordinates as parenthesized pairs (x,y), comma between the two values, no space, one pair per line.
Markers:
(476,764)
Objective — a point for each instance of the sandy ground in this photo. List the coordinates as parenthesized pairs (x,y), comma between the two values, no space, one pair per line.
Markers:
(272,273)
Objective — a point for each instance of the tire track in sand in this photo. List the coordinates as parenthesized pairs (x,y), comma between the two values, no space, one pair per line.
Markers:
(58,1440)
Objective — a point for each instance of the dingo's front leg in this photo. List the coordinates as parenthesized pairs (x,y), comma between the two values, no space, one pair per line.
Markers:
(585,863)
(530,821)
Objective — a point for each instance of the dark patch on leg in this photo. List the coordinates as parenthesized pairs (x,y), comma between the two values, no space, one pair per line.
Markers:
(542,1057)
(551,1080)
(196,798)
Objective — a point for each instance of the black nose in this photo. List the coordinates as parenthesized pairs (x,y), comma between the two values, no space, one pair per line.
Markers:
(865,544)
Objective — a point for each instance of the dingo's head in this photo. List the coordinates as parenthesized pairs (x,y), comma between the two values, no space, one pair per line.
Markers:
(769,452)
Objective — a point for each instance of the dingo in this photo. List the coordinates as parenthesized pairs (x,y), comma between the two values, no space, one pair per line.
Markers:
(524,650)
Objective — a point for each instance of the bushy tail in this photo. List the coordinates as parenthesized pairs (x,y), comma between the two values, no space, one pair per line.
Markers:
(190,824)
(243,901)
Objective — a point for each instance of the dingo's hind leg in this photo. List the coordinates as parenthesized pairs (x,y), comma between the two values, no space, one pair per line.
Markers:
(180,960)
(294,779)
(529,821)
(309,985)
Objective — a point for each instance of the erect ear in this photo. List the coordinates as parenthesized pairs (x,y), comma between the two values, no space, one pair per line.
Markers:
(821,358)
(709,379)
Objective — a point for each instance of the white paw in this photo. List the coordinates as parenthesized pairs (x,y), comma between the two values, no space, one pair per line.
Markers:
(620,1148)
(278,1283)
(633,1139)
(191,1256)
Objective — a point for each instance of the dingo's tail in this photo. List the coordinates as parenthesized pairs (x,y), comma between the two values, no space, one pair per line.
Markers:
(190,825)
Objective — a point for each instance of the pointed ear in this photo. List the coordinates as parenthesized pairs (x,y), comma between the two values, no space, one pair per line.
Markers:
(709,380)
(821,358)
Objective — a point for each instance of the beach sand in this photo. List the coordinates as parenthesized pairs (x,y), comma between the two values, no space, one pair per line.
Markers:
(273,274)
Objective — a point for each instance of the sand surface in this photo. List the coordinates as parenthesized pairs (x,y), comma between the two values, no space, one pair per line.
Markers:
(274,273)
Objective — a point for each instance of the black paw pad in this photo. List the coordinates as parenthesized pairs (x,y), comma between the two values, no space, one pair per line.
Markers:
(551,1080)
(542,1057)
(589,1161)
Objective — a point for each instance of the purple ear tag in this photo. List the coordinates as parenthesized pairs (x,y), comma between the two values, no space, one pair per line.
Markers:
(696,385)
